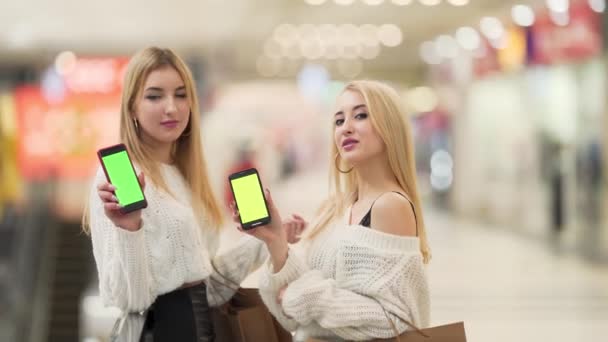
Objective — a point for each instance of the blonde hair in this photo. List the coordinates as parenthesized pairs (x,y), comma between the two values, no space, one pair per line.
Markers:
(388,118)
(187,150)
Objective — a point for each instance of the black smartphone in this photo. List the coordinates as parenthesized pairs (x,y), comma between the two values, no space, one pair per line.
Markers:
(119,172)
(249,197)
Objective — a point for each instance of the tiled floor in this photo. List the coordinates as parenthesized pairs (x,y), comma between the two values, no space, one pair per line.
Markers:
(509,288)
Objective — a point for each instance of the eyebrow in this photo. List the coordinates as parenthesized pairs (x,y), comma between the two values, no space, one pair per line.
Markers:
(354,109)
(161,89)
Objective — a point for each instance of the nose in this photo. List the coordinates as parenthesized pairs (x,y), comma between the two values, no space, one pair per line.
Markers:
(347,127)
(170,107)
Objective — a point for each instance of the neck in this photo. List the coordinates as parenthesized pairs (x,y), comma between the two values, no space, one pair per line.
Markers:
(374,177)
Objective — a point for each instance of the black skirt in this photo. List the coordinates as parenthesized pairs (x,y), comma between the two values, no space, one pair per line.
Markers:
(180,315)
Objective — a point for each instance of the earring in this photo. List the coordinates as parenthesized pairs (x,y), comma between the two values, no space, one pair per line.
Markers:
(338,165)
(136,124)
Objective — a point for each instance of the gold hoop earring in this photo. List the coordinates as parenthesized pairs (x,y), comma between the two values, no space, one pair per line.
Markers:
(136,124)
(337,164)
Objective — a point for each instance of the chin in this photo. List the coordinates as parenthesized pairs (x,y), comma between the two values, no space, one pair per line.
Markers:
(168,139)
(353,159)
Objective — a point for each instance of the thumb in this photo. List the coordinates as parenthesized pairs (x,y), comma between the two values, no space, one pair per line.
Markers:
(142,180)
(271,207)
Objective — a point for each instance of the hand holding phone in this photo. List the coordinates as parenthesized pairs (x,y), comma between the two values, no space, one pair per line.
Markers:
(130,221)
(122,196)
(253,207)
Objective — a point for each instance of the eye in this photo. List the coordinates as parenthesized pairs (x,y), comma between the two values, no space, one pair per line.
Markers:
(361,116)
(339,122)
(152,97)
(181,96)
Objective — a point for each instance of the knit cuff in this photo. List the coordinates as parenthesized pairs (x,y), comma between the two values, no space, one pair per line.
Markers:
(131,246)
(294,267)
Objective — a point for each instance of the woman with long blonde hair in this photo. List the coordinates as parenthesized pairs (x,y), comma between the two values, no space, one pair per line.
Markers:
(363,273)
(161,259)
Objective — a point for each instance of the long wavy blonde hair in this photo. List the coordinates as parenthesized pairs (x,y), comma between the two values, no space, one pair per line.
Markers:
(389,119)
(187,150)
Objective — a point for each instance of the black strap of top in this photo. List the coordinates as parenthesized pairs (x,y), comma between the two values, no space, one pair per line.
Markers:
(366,221)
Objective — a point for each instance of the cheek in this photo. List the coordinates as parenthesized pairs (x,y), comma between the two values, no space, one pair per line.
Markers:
(183,106)
(147,110)
(373,137)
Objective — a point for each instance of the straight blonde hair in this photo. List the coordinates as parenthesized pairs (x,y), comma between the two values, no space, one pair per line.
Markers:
(187,150)
(388,118)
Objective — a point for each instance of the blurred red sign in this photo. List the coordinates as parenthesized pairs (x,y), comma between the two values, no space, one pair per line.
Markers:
(59,137)
(581,38)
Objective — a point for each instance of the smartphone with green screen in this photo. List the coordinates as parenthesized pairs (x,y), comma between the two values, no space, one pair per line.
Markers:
(249,197)
(119,172)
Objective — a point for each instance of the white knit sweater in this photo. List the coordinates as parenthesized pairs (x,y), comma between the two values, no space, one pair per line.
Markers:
(169,250)
(350,273)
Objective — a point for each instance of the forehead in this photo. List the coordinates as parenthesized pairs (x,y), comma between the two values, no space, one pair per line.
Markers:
(348,99)
(162,77)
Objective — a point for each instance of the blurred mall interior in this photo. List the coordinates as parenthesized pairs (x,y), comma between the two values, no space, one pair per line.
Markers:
(507,99)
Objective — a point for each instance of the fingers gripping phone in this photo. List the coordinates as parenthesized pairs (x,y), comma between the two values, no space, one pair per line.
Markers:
(249,197)
(120,173)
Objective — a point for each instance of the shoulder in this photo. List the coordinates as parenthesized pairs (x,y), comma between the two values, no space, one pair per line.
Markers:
(393,214)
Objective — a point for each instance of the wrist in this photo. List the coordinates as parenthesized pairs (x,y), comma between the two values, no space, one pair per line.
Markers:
(132,227)
(278,254)
(276,244)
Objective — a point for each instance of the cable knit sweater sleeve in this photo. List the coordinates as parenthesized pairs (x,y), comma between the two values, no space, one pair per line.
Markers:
(122,263)
(271,283)
(233,266)
(347,290)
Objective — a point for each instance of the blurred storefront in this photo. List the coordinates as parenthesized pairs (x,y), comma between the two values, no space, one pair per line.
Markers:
(529,129)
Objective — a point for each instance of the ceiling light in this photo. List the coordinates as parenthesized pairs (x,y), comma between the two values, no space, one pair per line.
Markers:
(390,35)
(430,2)
(402,2)
(458,2)
(560,6)
(468,38)
(368,35)
(446,46)
(560,18)
(285,34)
(522,15)
(598,6)
(370,51)
(373,2)
(65,62)
(344,2)
(492,27)
(328,34)
(315,2)
(428,53)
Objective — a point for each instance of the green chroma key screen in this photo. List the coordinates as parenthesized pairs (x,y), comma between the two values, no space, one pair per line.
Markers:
(249,198)
(123,178)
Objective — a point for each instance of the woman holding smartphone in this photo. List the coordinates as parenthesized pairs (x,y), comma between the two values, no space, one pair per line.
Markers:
(163,259)
(365,253)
